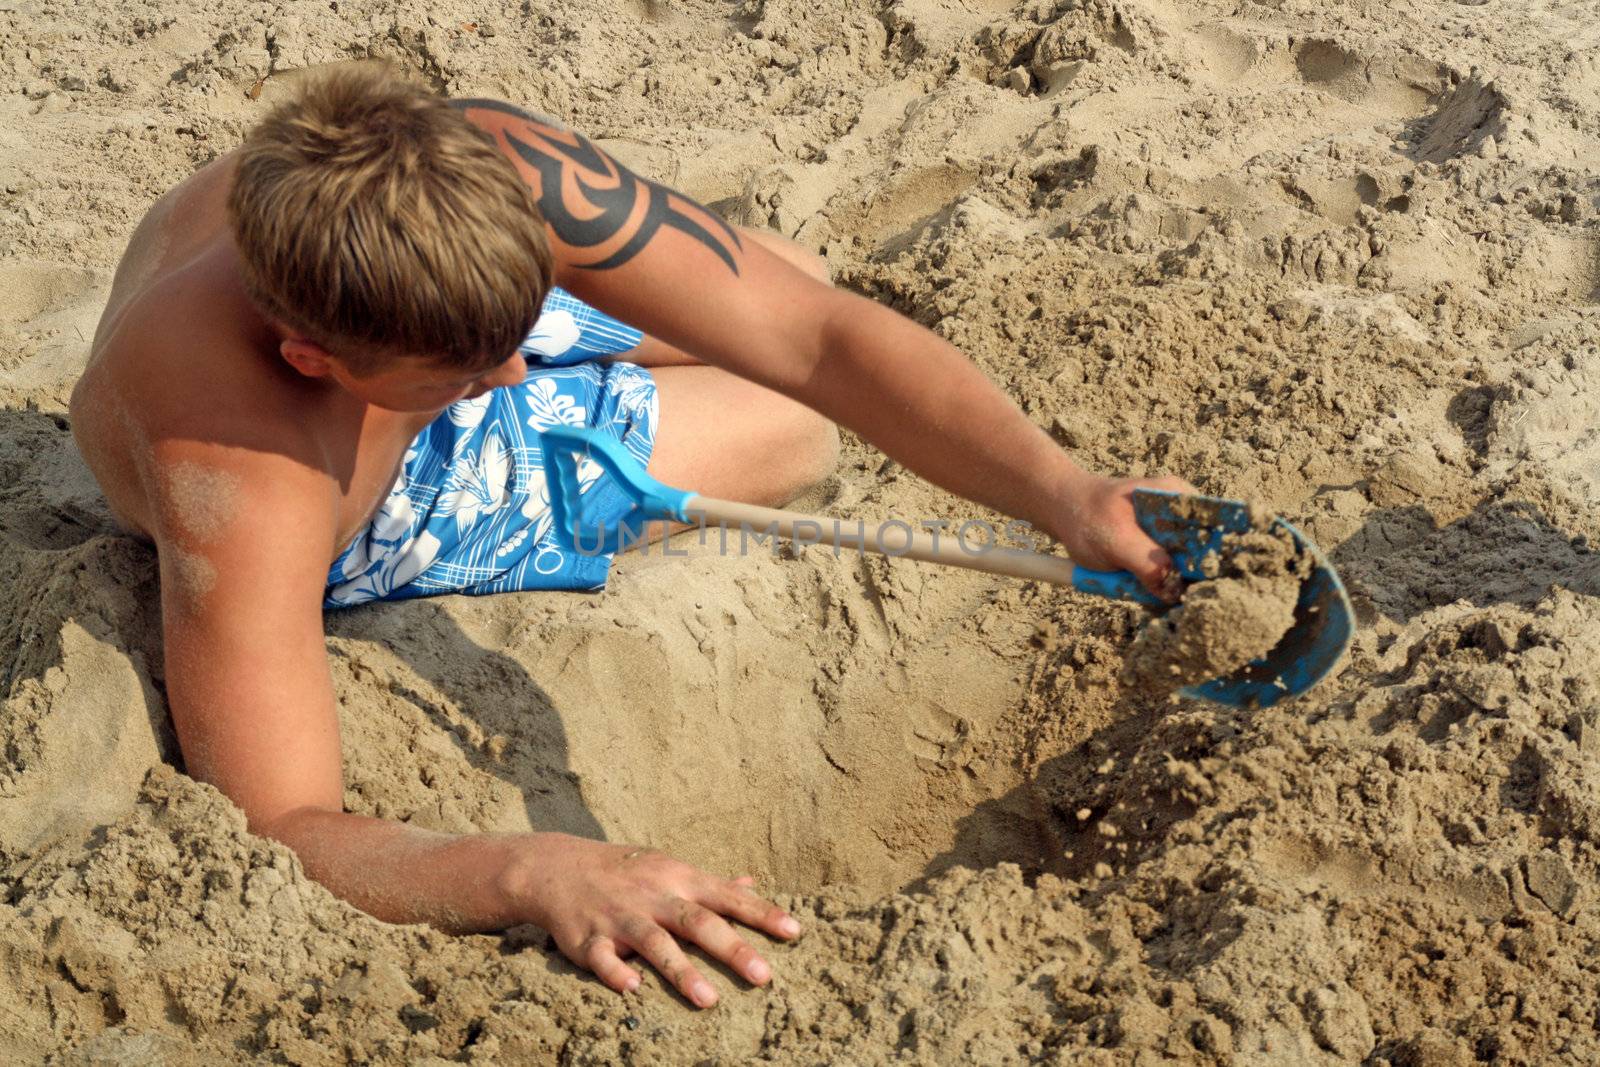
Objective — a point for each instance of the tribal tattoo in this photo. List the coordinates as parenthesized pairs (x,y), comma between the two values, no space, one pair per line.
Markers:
(591,201)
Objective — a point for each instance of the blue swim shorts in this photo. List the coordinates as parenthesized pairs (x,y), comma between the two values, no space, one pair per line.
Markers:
(470,512)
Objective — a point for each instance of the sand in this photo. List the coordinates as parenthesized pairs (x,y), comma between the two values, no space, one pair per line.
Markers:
(1237,613)
(1340,259)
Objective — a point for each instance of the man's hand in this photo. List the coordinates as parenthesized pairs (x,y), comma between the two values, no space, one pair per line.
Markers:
(602,902)
(1099,531)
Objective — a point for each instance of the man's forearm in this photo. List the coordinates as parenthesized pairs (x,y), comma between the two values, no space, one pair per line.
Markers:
(916,397)
(457,882)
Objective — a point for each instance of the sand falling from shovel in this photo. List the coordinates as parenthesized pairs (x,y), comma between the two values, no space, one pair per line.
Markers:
(1237,615)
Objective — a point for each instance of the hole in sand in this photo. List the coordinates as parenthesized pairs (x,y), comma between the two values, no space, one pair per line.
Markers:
(663,718)
(894,774)
(1321,62)
(1395,87)
(1225,54)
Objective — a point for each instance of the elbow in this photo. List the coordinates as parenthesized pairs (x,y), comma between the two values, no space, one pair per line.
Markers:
(288,825)
(833,335)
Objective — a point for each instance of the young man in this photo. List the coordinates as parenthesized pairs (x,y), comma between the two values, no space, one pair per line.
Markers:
(311,388)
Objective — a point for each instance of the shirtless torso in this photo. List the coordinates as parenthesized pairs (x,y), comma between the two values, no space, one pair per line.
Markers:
(180,352)
(180,346)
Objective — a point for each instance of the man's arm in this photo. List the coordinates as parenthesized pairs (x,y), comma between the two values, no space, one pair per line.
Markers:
(244,540)
(656,259)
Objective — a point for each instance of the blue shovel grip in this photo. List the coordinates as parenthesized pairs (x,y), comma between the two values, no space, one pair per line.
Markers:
(562,445)
(1114,585)
(561,474)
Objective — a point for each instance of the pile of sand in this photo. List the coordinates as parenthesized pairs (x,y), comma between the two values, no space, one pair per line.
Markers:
(1338,259)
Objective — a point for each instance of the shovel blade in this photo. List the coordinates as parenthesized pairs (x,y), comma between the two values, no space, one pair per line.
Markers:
(1192,527)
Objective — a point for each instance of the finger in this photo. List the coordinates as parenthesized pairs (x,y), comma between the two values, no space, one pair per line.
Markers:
(653,942)
(1156,572)
(711,932)
(738,902)
(745,880)
(599,954)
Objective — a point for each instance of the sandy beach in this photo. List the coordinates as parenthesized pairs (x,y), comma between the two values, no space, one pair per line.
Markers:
(1341,259)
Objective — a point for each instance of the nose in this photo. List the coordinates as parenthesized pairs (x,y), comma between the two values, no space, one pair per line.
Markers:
(512,372)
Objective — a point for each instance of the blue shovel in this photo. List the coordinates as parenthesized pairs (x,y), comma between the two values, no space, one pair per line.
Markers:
(1189,527)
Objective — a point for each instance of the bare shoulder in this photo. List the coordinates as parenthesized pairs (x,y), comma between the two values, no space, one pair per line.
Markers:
(182,421)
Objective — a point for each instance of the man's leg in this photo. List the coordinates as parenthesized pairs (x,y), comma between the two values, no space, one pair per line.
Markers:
(722,436)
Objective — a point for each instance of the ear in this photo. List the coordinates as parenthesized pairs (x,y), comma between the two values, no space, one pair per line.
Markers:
(307,357)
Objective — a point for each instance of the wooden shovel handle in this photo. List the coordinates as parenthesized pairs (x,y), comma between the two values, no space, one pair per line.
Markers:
(890,538)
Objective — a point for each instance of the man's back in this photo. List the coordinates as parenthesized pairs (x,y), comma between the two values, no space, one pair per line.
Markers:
(180,351)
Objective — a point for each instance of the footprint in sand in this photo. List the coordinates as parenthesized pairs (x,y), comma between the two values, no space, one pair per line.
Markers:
(936,735)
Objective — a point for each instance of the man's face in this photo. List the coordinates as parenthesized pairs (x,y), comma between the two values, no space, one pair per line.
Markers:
(423,384)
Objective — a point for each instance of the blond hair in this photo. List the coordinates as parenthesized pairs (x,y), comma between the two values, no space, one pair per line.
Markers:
(373,218)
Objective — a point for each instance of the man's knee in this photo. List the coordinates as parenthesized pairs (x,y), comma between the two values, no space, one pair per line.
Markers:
(815,451)
(801,446)
(810,262)
(785,249)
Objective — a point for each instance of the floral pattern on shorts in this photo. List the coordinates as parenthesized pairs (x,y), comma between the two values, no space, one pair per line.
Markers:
(470,511)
